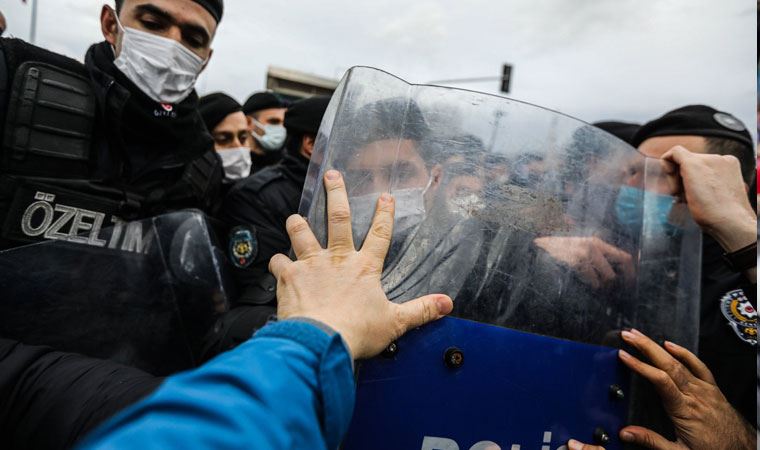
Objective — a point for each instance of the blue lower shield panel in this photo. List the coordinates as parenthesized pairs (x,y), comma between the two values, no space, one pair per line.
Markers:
(462,385)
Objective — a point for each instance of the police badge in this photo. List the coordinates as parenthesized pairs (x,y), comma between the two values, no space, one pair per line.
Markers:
(741,315)
(243,246)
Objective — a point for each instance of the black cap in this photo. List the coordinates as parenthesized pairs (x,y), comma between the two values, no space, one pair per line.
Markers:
(215,107)
(214,7)
(263,100)
(305,116)
(621,130)
(695,120)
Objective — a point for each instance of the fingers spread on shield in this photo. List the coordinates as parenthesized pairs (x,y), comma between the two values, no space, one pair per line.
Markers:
(691,361)
(659,357)
(339,235)
(672,397)
(301,237)
(379,237)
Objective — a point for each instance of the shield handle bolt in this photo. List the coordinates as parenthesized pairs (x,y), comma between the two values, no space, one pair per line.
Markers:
(601,437)
(454,358)
(391,350)
(617,392)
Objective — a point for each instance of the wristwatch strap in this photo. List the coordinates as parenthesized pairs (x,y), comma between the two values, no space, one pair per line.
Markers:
(742,259)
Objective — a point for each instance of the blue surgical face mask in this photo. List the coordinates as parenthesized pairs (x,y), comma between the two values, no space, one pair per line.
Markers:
(273,138)
(633,205)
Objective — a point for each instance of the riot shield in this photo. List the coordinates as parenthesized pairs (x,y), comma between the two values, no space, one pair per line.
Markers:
(549,234)
(140,293)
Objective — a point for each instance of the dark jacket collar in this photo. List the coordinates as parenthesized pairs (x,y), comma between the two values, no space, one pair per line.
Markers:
(295,167)
(142,134)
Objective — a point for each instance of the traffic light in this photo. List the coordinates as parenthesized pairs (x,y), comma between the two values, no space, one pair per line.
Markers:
(506,75)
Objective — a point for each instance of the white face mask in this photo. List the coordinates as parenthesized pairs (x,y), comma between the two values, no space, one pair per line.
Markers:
(273,138)
(410,209)
(162,68)
(237,162)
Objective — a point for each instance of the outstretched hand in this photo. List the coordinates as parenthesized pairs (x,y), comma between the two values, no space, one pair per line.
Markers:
(340,286)
(702,417)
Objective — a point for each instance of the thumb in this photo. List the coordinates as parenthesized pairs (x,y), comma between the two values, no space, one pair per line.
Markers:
(646,438)
(422,310)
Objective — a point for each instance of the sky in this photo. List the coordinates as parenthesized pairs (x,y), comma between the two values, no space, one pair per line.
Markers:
(630,60)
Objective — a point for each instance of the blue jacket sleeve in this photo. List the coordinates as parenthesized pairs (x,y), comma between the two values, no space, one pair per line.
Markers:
(289,387)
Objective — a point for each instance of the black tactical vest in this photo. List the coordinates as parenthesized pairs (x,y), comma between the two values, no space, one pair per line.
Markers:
(50,183)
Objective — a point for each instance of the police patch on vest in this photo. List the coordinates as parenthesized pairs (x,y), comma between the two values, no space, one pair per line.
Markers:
(243,246)
(741,315)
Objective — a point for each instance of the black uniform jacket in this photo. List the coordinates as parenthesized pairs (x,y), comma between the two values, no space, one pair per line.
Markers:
(728,330)
(258,206)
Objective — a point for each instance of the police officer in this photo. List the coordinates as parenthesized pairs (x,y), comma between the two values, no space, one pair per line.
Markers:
(225,120)
(116,138)
(728,317)
(707,155)
(255,210)
(266,117)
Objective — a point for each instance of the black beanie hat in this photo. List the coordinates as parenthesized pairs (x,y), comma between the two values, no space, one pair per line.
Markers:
(695,120)
(215,107)
(621,130)
(214,7)
(305,116)
(263,100)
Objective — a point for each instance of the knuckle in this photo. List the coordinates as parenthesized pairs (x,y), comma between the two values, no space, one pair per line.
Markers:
(648,441)
(427,311)
(339,215)
(369,266)
(289,274)
(677,369)
(400,322)
(273,260)
(296,225)
(661,378)
(382,230)
(731,159)
(334,185)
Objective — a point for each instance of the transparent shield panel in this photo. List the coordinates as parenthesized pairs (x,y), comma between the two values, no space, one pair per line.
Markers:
(528,218)
(144,295)
(670,256)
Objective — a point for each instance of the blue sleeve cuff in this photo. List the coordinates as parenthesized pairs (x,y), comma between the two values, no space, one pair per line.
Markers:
(335,372)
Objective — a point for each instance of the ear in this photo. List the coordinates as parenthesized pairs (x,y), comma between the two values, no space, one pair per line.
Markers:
(210,54)
(109,27)
(307,145)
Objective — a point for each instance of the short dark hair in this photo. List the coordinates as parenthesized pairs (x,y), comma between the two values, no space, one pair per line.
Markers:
(119,4)
(395,118)
(745,155)
(293,142)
